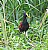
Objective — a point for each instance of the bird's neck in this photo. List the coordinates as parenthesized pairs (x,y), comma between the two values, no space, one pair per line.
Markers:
(24,19)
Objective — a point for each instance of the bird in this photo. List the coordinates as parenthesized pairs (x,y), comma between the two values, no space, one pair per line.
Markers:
(24,25)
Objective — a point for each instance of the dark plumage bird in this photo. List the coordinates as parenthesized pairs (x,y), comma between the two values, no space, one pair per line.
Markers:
(24,25)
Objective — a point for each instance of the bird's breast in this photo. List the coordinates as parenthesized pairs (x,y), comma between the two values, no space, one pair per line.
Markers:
(23,26)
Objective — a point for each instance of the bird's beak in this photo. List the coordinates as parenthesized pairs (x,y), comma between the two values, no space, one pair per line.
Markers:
(27,15)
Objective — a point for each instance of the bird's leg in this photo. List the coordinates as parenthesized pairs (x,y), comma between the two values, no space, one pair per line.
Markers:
(26,34)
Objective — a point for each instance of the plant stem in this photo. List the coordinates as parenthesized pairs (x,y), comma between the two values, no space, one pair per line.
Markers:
(4,23)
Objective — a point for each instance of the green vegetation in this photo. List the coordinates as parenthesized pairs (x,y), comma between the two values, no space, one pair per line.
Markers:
(11,14)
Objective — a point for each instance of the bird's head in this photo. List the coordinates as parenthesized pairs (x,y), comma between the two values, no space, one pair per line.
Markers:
(26,15)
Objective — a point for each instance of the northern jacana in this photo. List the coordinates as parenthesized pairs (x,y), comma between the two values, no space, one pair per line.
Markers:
(24,25)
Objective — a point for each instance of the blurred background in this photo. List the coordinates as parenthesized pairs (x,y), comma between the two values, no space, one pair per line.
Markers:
(11,14)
